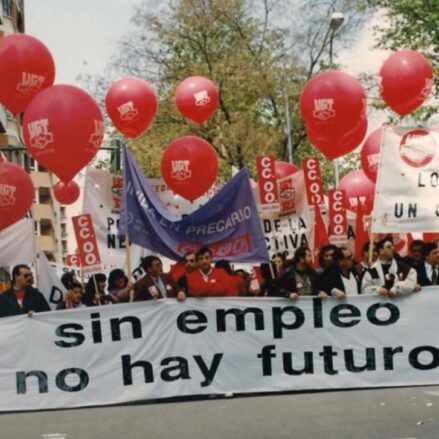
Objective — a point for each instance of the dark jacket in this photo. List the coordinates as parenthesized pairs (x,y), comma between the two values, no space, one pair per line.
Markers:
(145,289)
(332,278)
(33,301)
(423,279)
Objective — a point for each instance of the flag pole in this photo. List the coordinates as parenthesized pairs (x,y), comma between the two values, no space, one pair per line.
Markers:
(128,256)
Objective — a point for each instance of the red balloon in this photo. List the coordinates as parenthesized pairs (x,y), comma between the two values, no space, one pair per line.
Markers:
(370,154)
(197,99)
(406,80)
(63,129)
(284,169)
(359,190)
(26,68)
(66,193)
(131,105)
(332,104)
(189,166)
(16,194)
(345,145)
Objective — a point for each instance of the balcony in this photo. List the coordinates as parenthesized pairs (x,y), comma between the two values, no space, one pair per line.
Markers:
(46,243)
(43,211)
(41,179)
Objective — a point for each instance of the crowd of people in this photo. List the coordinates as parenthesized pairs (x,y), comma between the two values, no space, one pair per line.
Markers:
(381,271)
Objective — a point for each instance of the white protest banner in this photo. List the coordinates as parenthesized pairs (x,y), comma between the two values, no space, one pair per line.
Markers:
(17,243)
(292,227)
(406,198)
(49,281)
(160,349)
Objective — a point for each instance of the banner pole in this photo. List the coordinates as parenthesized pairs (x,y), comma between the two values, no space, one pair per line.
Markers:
(96,288)
(371,245)
(128,256)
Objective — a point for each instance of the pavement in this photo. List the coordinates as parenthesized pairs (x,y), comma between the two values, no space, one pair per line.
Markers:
(396,413)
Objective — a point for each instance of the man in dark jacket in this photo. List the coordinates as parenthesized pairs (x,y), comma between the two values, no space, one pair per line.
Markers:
(428,271)
(22,298)
(156,284)
(341,280)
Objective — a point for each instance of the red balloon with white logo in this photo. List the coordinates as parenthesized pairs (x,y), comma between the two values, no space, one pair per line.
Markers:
(370,154)
(63,129)
(66,193)
(16,194)
(359,191)
(346,144)
(189,166)
(131,105)
(284,169)
(197,99)
(332,104)
(406,80)
(26,68)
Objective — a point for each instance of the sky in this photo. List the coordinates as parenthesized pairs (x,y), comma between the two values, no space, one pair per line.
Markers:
(80,34)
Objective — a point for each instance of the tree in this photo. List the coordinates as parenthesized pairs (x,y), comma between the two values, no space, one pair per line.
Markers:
(248,48)
(411,24)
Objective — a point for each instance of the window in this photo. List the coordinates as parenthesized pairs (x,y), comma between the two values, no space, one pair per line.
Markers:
(7,7)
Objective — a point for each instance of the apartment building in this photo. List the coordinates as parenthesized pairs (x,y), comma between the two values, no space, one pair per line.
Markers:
(47,212)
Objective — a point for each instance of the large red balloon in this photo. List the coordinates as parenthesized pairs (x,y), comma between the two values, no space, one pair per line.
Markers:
(332,104)
(284,169)
(197,99)
(63,129)
(26,68)
(345,145)
(359,190)
(16,194)
(370,154)
(131,105)
(189,166)
(66,193)
(406,80)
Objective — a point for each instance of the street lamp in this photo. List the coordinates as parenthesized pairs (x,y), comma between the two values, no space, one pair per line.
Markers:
(337,19)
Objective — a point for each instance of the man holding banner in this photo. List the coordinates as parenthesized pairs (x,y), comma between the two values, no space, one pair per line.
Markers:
(387,276)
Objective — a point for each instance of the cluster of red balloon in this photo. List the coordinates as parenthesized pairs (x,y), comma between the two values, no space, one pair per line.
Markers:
(189,164)
(62,126)
(333,106)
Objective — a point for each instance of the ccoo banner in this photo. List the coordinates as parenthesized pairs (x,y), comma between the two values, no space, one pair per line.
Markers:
(408,180)
(129,352)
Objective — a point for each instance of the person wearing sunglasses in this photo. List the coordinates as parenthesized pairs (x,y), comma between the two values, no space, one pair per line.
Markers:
(387,276)
(22,297)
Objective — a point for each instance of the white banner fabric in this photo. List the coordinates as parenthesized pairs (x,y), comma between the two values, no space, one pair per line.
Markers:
(159,349)
(17,243)
(406,198)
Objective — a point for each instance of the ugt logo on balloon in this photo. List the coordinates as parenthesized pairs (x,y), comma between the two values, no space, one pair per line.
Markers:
(98,134)
(425,93)
(39,134)
(323,109)
(30,84)
(202,98)
(180,170)
(127,111)
(7,195)
(417,148)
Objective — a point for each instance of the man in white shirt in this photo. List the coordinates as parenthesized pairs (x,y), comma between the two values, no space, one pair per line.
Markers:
(387,276)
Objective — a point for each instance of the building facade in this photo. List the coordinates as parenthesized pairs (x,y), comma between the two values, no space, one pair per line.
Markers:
(46,212)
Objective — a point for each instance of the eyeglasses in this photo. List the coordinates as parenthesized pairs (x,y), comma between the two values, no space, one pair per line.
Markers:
(28,275)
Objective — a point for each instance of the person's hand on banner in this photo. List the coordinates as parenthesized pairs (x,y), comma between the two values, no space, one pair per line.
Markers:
(417,288)
(322,295)
(338,294)
(294,296)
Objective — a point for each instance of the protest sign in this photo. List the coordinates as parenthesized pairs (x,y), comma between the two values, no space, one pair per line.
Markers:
(90,357)
(408,182)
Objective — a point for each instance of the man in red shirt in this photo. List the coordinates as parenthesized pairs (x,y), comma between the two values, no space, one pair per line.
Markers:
(206,280)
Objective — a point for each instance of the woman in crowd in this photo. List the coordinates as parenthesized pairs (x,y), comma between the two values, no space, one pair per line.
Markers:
(95,291)
(119,286)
